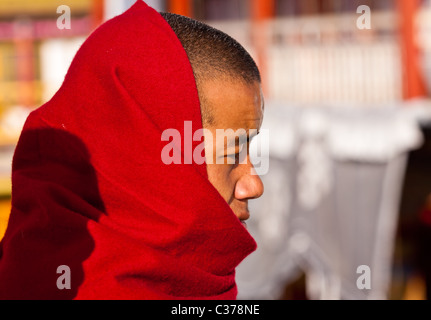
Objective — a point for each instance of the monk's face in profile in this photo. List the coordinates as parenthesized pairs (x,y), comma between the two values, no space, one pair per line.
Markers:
(234,105)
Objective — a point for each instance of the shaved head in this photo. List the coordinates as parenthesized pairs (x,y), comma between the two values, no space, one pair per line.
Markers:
(213,55)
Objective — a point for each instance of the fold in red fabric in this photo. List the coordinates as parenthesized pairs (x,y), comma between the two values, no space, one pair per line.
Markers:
(90,191)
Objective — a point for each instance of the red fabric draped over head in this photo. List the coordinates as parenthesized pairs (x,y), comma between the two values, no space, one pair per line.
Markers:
(90,191)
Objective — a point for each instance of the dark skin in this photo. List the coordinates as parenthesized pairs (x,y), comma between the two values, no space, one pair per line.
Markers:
(234,105)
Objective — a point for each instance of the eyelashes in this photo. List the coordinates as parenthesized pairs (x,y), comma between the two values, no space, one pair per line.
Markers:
(234,156)
(238,157)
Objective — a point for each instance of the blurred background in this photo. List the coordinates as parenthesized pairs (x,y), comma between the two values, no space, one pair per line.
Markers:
(349,113)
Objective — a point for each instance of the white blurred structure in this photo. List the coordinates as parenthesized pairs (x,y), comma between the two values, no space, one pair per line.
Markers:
(331,200)
(325,59)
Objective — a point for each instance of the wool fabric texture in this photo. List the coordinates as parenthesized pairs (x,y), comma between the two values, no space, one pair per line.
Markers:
(91,192)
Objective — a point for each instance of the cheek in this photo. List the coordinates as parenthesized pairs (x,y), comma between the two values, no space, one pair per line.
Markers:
(220,177)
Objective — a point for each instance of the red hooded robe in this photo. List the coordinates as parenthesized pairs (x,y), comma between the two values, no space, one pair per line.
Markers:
(90,191)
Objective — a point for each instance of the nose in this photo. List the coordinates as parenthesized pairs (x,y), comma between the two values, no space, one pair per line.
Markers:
(249,185)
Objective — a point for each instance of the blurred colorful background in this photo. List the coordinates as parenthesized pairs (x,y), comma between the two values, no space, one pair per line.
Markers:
(313,54)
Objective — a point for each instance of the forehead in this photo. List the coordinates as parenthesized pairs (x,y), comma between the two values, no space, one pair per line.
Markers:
(234,104)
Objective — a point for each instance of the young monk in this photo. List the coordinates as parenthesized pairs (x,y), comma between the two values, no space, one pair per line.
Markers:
(96,211)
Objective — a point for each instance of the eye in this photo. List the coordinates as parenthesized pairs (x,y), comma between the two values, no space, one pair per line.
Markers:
(232,159)
(233,156)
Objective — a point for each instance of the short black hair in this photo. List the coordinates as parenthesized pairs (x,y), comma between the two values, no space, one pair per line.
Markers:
(212,54)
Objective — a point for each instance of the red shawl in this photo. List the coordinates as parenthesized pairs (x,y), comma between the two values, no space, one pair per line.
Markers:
(90,191)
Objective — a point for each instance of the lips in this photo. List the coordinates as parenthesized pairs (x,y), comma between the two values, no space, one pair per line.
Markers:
(244,215)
